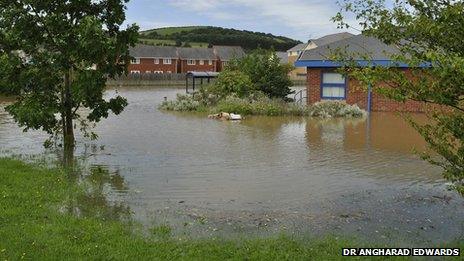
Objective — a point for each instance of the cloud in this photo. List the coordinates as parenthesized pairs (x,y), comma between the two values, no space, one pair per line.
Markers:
(301,17)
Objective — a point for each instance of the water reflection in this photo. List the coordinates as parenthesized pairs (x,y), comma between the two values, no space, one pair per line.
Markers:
(282,162)
(97,200)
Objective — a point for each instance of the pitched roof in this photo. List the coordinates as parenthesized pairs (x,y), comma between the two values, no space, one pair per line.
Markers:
(331,38)
(298,47)
(358,46)
(150,51)
(196,53)
(227,53)
(283,56)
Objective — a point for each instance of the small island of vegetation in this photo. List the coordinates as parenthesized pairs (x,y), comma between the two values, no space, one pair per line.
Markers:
(257,84)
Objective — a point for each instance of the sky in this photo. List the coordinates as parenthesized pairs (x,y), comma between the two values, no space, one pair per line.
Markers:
(298,19)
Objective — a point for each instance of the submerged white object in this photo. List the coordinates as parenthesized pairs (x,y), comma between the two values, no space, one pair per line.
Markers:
(235,117)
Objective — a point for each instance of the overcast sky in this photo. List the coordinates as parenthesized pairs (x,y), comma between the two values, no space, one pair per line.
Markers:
(298,19)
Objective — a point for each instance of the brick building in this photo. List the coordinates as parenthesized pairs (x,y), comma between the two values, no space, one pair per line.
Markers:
(166,59)
(325,83)
(196,60)
(224,54)
(153,59)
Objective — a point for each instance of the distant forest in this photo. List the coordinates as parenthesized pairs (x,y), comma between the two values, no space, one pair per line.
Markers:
(181,36)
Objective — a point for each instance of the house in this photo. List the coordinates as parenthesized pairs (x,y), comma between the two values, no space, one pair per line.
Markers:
(153,59)
(314,43)
(196,60)
(283,57)
(225,54)
(166,59)
(325,83)
(292,56)
(295,52)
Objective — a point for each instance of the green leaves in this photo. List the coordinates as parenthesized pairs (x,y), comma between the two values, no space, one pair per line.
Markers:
(265,72)
(428,32)
(233,82)
(56,55)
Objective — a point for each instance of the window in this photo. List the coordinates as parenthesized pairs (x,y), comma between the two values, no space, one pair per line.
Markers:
(158,71)
(147,71)
(135,61)
(333,86)
(210,62)
(191,62)
(135,72)
(167,61)
(157,61)
(169,71)
(202,62)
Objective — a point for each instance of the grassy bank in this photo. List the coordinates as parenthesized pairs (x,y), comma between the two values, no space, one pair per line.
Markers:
(34,226)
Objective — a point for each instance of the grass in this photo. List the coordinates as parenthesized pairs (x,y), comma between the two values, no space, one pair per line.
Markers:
(172,30)
(170,42)
(33,226)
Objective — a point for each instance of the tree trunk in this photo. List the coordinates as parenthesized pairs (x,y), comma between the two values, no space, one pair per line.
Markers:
(67,117)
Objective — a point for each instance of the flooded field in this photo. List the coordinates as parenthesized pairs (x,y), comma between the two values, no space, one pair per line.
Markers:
(261,176)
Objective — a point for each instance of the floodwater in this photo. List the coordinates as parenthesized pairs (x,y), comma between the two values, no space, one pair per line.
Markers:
(261,176)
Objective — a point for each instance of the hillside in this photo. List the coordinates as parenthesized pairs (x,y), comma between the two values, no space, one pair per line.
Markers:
(202,36)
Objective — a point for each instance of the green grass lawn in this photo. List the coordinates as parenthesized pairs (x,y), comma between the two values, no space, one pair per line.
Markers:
(34,225)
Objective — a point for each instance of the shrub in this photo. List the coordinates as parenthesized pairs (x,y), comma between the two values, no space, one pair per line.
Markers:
(233,104)
(266,73)
(233,82)
(182,103)
(329,109)
(259,104)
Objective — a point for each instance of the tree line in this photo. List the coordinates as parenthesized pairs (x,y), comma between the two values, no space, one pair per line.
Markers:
(222,36)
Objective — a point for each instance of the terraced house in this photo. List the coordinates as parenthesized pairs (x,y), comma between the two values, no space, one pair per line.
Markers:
(225,54)
(196,60)
(166,59)
(324,82)
(153,59)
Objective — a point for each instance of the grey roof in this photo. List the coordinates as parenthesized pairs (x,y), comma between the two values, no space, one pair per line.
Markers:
(227,53)
(283,56)
(203,74)
(149,51)
(196,53)
(358,47)
(331,38)
(298,47)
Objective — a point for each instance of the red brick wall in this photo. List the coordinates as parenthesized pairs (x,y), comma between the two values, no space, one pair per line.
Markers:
(356,94)
(184,67)
(148,64)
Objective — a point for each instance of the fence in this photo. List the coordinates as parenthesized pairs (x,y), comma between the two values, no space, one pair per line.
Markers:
(298,80)
(168,80)
(149,79)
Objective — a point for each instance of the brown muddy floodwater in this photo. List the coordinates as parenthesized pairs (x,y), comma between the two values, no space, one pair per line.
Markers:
(264,175)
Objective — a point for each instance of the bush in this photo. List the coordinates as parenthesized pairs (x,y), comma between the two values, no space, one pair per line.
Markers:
(233,104)
(266,73)
(182,103)
(329,109)
(259,104)
(233,82)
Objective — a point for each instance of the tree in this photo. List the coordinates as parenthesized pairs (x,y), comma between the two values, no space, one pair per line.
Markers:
(178,43)
(233,82)
(56,55)
(266,73)
(429,34)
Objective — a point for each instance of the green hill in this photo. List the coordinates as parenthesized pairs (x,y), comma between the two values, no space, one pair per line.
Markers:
(202,36)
